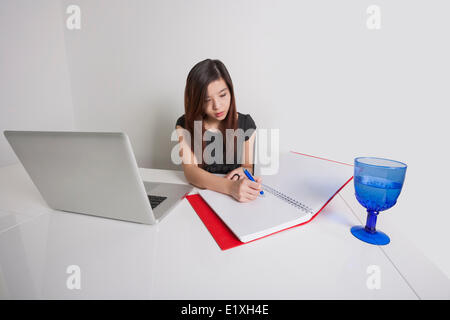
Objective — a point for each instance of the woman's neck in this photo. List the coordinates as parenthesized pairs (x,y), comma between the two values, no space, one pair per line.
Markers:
(212,124)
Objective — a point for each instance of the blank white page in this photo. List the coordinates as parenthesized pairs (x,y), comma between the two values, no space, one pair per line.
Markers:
(307,179)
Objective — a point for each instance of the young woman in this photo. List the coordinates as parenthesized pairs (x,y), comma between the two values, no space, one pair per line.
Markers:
(209,98)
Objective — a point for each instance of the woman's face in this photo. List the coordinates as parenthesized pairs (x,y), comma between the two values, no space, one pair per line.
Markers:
(217,100)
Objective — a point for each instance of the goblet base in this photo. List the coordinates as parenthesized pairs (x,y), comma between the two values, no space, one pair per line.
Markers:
(377,238)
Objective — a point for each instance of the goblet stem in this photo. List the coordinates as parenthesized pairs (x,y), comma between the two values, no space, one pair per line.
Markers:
(371,221)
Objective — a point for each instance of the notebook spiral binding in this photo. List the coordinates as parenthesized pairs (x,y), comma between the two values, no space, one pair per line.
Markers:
(287,199)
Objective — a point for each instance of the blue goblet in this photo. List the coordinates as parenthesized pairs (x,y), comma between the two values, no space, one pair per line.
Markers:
(378,183)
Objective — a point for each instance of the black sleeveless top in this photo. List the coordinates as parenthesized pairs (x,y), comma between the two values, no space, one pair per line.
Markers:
(245,122)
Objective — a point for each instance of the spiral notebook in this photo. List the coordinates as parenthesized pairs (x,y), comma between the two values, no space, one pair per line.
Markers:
(294,195)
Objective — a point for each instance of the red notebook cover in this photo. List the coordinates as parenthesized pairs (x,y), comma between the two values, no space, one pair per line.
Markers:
(223,236)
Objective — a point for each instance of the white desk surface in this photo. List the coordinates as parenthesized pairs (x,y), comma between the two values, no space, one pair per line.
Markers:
(178,258)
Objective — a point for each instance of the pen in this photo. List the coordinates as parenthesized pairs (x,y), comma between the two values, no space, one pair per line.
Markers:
(251,178)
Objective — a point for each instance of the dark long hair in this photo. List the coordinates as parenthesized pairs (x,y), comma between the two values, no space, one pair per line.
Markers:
(200,76)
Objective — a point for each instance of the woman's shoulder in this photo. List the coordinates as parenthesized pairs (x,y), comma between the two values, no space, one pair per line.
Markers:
(180,121)
(245,121)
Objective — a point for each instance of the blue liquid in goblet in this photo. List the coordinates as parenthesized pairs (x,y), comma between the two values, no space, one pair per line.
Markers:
(378,183)
(377,194)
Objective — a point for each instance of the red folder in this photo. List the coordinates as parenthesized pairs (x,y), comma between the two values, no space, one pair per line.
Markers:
(223,236)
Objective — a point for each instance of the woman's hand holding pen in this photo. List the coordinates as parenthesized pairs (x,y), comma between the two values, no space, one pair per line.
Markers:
(245,190)
(236,174)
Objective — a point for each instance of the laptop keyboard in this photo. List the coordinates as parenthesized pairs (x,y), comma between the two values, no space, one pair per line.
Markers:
(155,200)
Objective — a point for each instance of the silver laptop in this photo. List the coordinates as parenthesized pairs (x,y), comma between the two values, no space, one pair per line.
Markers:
(93,173)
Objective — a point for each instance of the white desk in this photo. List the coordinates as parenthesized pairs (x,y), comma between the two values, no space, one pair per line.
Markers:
(178,258)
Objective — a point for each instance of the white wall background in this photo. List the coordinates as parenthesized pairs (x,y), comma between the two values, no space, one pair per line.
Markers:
(34,79)
(313,69)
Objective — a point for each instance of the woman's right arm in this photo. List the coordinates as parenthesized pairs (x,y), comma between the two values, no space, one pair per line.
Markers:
(242,190)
